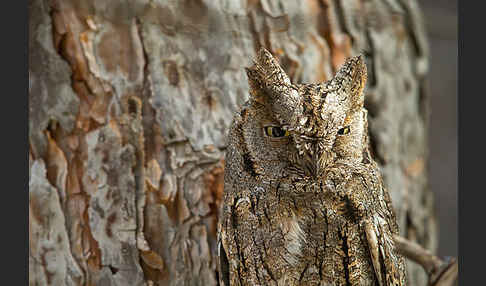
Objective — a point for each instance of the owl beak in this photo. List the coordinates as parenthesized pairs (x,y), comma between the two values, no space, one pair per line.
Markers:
(319,158)
(324,159)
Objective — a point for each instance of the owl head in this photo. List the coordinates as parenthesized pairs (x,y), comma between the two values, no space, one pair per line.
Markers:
(303,128)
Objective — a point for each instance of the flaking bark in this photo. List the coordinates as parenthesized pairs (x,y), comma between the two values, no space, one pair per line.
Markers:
(130,103)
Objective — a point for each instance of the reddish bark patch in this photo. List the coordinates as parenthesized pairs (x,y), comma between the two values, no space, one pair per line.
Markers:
(111,219)
(56,163)
(172,73)
(99,108)
(415,168)
(90,245)
(117,51)
(321,73)
(214,182)
(134,106)
(36,210)
(47,273)
(70,50)
(338,42)
(153,260)
(288,64)
(209,99)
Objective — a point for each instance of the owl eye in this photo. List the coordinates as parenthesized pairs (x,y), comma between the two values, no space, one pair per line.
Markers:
(274,131)
(344,130)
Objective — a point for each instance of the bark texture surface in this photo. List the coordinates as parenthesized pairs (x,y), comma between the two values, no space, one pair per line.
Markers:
(130,103)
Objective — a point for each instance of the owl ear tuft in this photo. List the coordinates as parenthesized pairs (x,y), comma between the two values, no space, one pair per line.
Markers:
(351,79)
(270,85)
(271,68)
(265,74)
(255,81)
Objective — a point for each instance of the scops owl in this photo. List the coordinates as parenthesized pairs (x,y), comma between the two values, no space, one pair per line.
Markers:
(304,202)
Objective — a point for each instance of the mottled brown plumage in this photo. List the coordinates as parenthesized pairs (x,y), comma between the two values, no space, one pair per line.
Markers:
(304,202)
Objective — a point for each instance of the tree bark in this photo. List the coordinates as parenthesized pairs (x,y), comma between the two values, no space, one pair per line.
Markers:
(129,104)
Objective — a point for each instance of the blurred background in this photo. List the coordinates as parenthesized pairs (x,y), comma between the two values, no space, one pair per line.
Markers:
(441,22)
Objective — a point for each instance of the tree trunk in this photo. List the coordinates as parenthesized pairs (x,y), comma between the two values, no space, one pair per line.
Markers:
(129,104)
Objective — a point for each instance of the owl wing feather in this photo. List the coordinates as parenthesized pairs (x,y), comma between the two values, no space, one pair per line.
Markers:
(366,194)
(387,264)
(380,226)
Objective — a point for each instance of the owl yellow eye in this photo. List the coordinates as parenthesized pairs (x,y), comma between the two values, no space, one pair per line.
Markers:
(274,131)
(344,130)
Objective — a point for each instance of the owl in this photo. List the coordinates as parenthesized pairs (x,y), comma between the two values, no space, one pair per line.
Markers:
(304,202)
